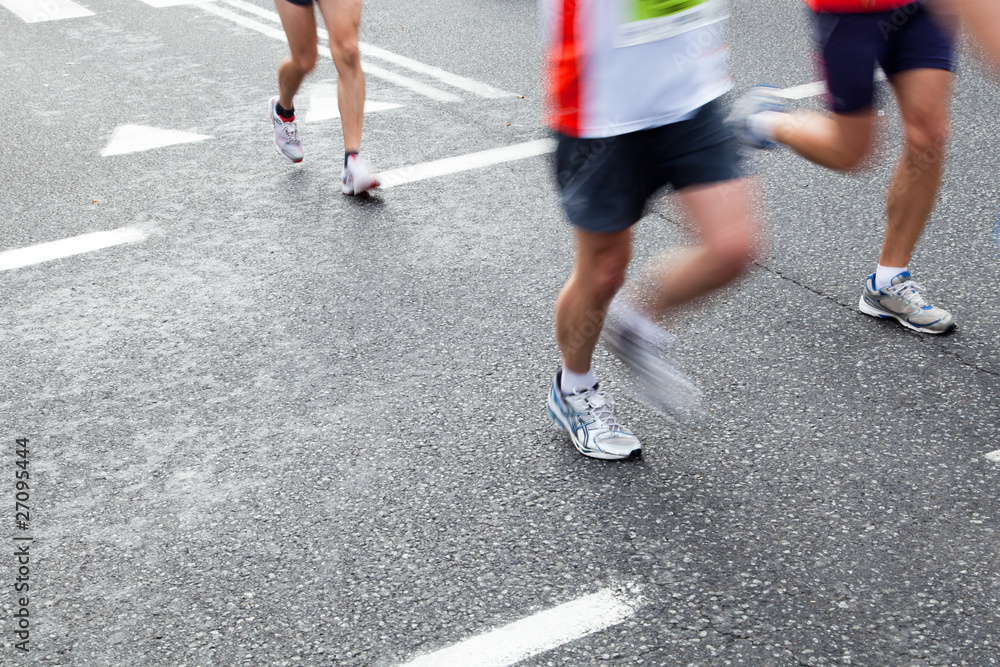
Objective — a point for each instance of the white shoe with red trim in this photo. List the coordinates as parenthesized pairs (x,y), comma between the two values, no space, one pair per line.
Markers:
(358,176)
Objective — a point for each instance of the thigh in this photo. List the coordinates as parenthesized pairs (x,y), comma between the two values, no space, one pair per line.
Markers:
(299,22)
(848,46)
(342,18)
(924,96)
(721,213)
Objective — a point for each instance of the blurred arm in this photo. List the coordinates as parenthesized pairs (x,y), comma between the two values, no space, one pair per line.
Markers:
(982,19)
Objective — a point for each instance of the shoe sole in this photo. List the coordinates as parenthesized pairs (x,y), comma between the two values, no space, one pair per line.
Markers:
(871,311)
(604,456)
(282,154)
(351,193)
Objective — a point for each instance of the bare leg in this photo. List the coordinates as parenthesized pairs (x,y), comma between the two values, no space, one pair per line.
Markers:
(343,19)
(837,141)
(601,261)
(721,215)
(923,96)
(300,29)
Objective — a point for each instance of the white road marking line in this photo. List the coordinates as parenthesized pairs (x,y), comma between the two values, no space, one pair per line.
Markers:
(273,33)
(44,252)
(159,4)
(815,88)
(994,456)
(805,90)
(533,635)
(136,138)
(33,11)
(323,103)
(404,81)
(456,80)
(444,76)
(369,69)
(452,165)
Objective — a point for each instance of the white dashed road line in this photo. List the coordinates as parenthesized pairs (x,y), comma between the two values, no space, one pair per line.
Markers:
(44,252)
(455,80)
(453,165)
(536,634)
(815,88)
(33,11)
(805,90)
(369,69)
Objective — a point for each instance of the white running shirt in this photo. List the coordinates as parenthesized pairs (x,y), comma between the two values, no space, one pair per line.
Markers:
(619,66)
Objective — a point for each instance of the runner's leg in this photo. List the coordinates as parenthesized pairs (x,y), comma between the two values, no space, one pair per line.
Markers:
(599,271)
(727,229)
(343,20)
(839,141)
(923,96)
(299,23)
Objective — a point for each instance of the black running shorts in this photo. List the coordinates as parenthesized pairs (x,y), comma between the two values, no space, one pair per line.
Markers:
(605,183)
(849,45)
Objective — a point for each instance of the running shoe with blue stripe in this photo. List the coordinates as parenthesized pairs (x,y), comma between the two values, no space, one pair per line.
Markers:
(588,415)
(903,301)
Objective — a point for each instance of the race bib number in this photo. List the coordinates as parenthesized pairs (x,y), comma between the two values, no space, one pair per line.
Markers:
(653,20)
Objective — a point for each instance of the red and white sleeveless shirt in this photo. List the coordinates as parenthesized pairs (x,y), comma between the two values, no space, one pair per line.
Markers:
(619,66)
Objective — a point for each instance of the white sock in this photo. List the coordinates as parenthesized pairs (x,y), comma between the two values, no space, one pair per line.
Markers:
(885,274)
(570,381)
(763,124)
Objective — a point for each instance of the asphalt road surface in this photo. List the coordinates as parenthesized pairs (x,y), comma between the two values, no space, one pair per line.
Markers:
(271,425)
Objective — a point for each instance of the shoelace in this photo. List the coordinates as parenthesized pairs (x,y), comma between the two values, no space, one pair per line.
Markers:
(291,131)
(601,404)
(909,292)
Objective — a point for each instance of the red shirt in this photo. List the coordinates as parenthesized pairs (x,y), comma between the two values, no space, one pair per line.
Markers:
(855,6)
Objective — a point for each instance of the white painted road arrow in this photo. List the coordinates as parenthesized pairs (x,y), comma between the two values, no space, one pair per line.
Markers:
(323,103)
(135,138)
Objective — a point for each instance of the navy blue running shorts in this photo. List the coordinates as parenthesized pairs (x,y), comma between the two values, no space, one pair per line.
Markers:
(604,183)
(301,3)
(849,45)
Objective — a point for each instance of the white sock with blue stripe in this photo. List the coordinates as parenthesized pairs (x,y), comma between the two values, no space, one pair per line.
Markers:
(885,274)
(569,381)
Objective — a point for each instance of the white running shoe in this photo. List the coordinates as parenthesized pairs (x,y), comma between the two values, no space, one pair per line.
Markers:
(756,100)
(903,301)
(286,133)
(358,176)
(588,416)
(646,349)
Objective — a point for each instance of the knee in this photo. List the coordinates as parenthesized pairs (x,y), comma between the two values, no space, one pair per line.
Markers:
(304,62)
(928,138)
(608,275)
(733,254)
(850,161)
(608,280)
(850,158)
(346,54)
